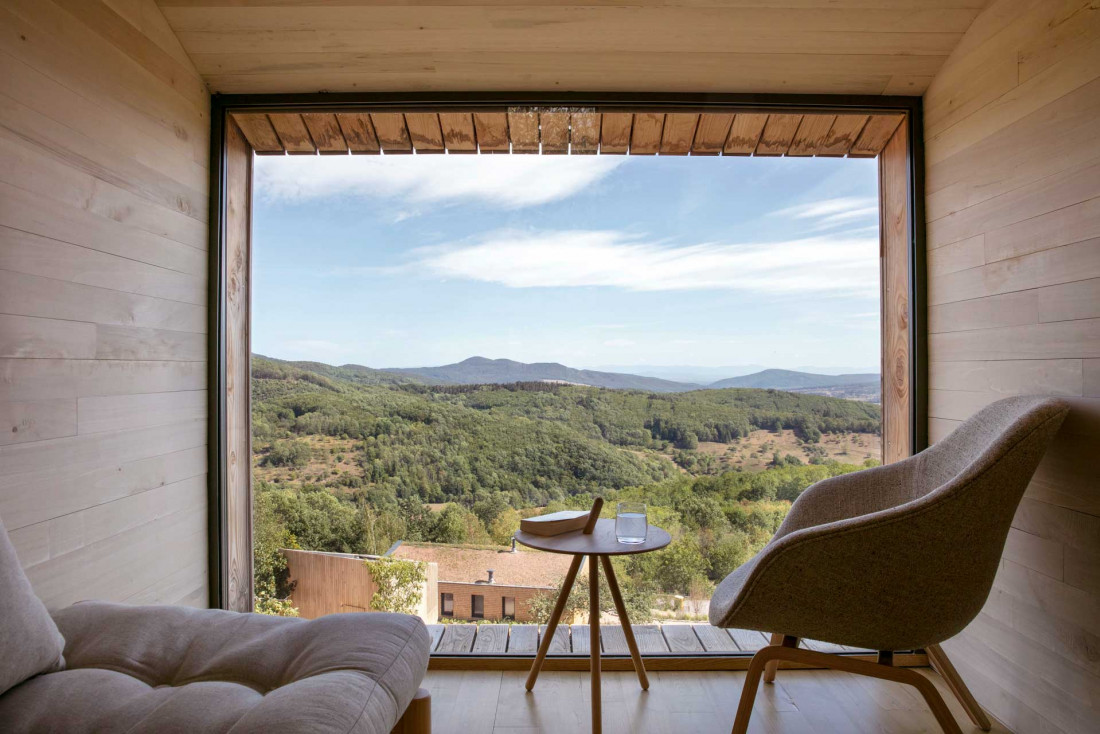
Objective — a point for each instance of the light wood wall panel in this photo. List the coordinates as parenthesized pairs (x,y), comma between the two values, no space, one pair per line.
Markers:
(834,46)
(1012,127)
(103,255)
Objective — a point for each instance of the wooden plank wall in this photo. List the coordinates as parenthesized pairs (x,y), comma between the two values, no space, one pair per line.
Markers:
(1013,209)
(103,259)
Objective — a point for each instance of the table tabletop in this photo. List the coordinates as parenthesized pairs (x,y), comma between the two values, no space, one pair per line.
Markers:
(601,541)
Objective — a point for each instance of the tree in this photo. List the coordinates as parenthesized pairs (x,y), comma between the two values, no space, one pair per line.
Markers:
(399,584)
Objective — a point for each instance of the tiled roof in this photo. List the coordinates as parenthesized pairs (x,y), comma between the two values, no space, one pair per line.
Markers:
(469,564)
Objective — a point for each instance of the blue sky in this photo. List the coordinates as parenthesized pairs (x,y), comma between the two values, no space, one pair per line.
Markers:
(592,261)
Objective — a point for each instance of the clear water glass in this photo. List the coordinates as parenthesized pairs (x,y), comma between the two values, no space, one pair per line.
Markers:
(631,523)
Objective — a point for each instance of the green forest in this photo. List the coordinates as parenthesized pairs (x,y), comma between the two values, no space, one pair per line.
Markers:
(351,459)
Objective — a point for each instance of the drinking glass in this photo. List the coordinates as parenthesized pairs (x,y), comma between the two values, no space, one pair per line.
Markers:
(631,523)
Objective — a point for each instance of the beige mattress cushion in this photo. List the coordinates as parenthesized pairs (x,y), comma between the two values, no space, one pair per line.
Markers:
(29,641)
(167,669)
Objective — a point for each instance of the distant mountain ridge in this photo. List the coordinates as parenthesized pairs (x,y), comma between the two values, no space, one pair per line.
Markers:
(789,379)
(477,370)
(481,370)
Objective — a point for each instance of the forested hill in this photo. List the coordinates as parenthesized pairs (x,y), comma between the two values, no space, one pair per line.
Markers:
(530,442)
(791,380)
(479,370)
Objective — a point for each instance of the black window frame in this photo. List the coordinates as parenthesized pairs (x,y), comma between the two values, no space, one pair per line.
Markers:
(504,607)
(444,597)
(477,600)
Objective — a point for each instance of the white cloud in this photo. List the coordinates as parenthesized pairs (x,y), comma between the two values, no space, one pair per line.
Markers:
(619,343)
(828,213)
(506,181)
(827,264)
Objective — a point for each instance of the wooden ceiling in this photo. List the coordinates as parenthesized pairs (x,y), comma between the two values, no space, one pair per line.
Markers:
(561,132)
(792,46)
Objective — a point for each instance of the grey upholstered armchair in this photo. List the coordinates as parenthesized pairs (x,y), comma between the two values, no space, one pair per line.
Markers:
(897,557)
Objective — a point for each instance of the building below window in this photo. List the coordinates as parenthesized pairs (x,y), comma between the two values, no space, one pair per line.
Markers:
(488,583)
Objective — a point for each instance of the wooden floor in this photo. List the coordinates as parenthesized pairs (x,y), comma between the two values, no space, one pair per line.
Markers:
(800,702)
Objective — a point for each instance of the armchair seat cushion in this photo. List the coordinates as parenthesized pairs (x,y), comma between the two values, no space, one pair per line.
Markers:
(175,669)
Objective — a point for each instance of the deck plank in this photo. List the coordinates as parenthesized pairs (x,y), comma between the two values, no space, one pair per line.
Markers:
(612,640)
(560,644)
(649,638)
(491,639)
(681,638)
(748,640)
(523,639)
(457,638)
(715,639)
(435,631)
(580,639)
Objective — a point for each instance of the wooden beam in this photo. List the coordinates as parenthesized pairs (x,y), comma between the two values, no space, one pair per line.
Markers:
(615,130)
(894,233)
(745,134)
(325,131)
(293,133)
(358,132)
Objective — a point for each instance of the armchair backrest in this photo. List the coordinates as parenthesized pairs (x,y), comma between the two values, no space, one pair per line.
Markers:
(904,555)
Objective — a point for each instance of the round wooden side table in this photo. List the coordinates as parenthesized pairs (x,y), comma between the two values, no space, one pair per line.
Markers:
(598,547)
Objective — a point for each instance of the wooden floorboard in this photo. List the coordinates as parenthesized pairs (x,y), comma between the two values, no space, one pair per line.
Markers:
(699,702)
(524,640)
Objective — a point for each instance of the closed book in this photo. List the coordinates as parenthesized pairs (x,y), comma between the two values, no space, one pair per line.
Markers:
(555,523)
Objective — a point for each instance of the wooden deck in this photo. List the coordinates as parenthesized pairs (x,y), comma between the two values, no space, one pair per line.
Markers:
(653,639)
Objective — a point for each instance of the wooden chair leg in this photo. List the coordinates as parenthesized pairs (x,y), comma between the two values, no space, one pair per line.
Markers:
(756,668)
(417,718)
(624,620)
(942,665)
(771,668)
(777,653)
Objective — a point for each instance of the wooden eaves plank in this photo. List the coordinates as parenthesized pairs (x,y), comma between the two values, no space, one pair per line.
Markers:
(679,133)
(615,135)
(876,133)
(645,139)
(523,130)
(424,132)
(358,132)
(811,134)
(745,133)
(458,132)
(778,134)
(554,131)
(492,131)
(260,134)
(325,131)
(711,134)
(292,131)
(842,134)
(584,132)
(391,132)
